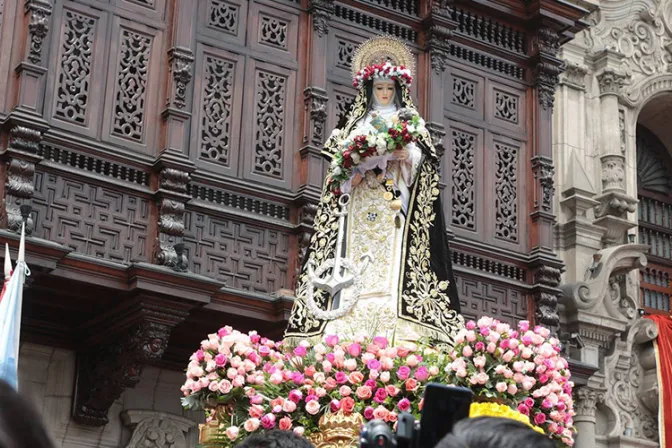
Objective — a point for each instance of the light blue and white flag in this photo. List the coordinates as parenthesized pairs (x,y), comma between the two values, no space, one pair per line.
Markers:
(10,314)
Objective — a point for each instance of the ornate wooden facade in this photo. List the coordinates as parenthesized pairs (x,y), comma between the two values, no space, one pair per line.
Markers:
(169,150)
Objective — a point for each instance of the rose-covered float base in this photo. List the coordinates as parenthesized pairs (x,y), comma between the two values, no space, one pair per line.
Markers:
(326,391)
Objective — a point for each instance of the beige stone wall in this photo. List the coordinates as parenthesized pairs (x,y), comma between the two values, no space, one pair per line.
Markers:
(47,377)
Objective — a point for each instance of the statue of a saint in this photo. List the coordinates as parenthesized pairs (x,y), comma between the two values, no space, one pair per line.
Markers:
(379,262)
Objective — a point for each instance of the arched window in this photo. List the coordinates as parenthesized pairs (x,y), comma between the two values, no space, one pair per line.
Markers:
(654,184)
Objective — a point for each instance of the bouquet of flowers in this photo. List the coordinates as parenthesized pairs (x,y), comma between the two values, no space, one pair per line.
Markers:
(260,387)
(522,368)
(382,139)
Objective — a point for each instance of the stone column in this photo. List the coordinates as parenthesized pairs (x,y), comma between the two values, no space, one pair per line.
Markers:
(615,203)
(586,403)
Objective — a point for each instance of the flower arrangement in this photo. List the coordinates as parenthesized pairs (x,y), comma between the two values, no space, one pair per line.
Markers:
(522,368)
(248,383)
(264,388)
(382,139)
(400,74)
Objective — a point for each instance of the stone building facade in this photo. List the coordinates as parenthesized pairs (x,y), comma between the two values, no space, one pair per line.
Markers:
(612,140)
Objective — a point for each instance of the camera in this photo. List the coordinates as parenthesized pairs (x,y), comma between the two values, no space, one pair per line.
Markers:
(443,407)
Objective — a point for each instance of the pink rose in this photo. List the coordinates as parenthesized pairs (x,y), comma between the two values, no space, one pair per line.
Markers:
(529,402)
(380,341)
(345,391)
(433,371)
(467,351)
(213,386)
(421,374)
(386,363)
(252,425)
(508,356)
(513,389)
(320,392)
(501,387)
(225,386)
(412,360)
(350,364)
(479,346)
(334,405)
(374,364)
(368,413)
(299,430)
(392,390)
(523,325)
(484,322)
(238,381)
(461,373)
(411,384)
(364,392)
(268,421)
(543,379)
(295,395)
(356,377)
(256,399)
(403,373)
(285,423)
(373,349)
(312,407)
(491,347)
(355,350)
(470,336)
(539,418)
(380,413)
(479,361)
(289,406)
(347,405)
(470,325)
(380,395)
(232,432)
(341,377)
(220,360)
(391,417)
(404,405)
(523,409)
(256,411)
(403,351)
(331,340)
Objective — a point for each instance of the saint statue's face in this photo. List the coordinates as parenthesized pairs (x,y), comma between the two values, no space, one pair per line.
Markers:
(384,91)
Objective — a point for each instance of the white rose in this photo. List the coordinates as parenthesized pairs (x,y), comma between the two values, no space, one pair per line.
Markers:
(411,128)
(355,158)
(381,147)
(337,171)
(336,133)
(371,140)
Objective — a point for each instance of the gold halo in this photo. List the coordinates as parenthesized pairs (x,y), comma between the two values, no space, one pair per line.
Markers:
(380,49)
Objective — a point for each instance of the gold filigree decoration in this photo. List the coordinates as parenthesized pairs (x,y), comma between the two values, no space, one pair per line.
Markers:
(424,299)
(381,49)
(358,111)
(337,430)
(322,246)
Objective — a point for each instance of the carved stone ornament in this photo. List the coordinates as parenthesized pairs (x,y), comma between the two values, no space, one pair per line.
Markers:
(170,252)
(321,10)
(38,27)
(157,429)
(610,82)
(181,61)
(574,75)
(639,31)
(547,41)
(587,400)
(316,104)
(106,370)
(306,219)
(595,292)
(613,172)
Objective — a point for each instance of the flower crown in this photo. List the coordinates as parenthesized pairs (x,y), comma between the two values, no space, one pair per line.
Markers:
(386,70)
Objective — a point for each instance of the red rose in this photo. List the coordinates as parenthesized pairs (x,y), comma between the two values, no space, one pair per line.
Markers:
(347,405)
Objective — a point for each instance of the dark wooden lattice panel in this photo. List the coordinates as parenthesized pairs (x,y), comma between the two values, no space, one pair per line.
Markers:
(480,297)
(91,219)
(244,256)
